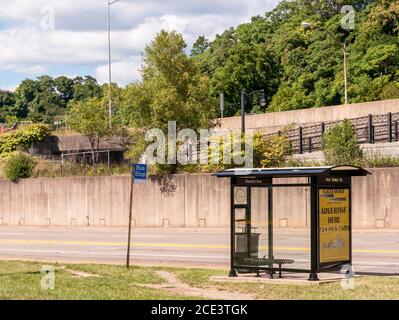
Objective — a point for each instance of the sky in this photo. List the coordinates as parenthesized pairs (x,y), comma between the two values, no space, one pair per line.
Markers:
(69,37)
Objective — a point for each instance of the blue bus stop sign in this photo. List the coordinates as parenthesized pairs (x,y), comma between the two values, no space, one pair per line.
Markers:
(140,173)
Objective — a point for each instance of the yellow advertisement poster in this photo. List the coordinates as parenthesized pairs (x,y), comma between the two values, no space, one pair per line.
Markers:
(334,213)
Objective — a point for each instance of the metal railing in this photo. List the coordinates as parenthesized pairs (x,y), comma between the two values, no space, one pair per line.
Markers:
(369,129)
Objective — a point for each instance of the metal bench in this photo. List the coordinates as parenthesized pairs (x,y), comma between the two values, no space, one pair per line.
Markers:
(268,264)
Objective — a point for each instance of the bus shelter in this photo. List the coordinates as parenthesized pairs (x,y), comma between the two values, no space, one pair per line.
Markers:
(252,233)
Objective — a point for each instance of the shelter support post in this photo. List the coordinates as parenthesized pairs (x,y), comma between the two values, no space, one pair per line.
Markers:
(270,229)
(233,272)
(314,230)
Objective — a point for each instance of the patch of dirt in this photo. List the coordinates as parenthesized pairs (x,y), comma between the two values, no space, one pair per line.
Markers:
(174,285)
(82,274)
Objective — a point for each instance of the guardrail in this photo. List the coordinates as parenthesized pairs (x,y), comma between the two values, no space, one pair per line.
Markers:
(370,129)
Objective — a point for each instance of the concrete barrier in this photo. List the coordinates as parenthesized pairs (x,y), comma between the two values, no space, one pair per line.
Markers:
(273,121)
(197,200)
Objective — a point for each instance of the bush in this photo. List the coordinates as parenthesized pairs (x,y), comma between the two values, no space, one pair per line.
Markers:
(275,150)
(380,161)
(340,145)
(30,134)
(25,137)
(268,151)
(19,166)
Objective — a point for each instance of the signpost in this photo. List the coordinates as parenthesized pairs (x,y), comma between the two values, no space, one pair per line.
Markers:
(139,173)
(139,176)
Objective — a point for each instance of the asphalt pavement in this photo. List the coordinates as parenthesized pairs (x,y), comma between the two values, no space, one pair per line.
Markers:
(373,251)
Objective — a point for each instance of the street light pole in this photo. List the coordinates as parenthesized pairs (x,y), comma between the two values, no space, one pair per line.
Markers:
(242,112)
(307,25)
(109,62)
(345,73)
(244,95)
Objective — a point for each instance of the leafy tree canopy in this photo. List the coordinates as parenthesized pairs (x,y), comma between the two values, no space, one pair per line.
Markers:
(45,99)
(301,68)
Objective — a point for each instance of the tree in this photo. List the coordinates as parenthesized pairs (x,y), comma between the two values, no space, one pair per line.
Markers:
(241,59)
(45,99)
(7,107)
(120,120)
(90,118)
(341,146)
(86,88)
(304,68)
(117,100)
(200,46)
(64,88)
(172,90)
(24,95)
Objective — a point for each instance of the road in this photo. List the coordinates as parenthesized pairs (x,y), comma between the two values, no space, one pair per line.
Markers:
(373,251)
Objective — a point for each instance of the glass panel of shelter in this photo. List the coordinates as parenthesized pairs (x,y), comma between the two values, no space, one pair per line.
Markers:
(255,219)
(251,230)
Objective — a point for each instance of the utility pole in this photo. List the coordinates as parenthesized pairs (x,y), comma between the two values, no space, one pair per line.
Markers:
(307,25)
(221,105)
(345,72)
(243,112)
(109,62)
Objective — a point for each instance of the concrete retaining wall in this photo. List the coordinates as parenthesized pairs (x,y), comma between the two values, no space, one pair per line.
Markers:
(386,149)
(274,121)
(181,201)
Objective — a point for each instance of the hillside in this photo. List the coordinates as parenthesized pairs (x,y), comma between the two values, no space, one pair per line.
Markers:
(301,68)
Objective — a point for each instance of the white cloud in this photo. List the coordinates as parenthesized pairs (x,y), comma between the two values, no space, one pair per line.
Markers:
(80,35)
(123,72)
(9,87)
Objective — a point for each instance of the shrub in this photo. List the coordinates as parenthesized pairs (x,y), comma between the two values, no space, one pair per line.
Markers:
(268,151)
(274,149)
(19,166)
(30,134)
(380,161)
(340,145)
(8,143)
(25,137)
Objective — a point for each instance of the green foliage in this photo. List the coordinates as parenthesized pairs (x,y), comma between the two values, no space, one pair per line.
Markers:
(200,46)
(7,103)
(304,68)
(91,119)
(379,161)
(223,149)
(30,134)
(240,59)
(24,137)
(8,143)
(86,88)
(274,150)
(270,151)
(19,166)
(390,91)
(66,169)
(297,68)
(341,146)
(45,99)
(172,90)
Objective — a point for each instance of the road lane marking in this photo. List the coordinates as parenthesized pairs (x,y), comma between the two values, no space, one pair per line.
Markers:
(120,254)
(109,244)
(163,245)
(139,236)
